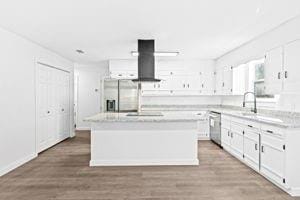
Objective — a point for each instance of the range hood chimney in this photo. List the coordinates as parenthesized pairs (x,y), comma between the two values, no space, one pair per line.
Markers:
(146,61)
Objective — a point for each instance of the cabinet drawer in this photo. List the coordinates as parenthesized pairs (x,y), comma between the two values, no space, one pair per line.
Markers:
(237,128)
(272,130)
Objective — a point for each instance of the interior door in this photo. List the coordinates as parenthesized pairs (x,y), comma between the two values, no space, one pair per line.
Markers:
(64,105)
(42,107)
(273,71)
(292,68)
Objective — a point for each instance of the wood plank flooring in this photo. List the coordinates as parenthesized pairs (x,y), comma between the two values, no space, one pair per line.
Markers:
(62,173)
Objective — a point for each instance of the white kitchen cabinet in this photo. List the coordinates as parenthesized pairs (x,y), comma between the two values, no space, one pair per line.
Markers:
(292,68)
(272,157)
(219,82)
(225,138)
(207,81)
(224,81)
(53,108)
(227,80)
(239,80)
(251,148)
(237,141)
(274,71)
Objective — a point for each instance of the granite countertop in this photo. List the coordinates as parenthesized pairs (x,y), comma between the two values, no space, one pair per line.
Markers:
(282,119)
(278,120)
(183,116)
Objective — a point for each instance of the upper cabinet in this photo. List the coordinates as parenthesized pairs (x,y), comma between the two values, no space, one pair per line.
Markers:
(291,68)
(282,69)
(123,69)
(274,71)
(223,80)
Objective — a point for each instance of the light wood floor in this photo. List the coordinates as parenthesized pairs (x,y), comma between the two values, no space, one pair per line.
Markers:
(62,172)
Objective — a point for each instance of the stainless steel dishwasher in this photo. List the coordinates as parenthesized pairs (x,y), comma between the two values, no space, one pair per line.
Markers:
(215,127)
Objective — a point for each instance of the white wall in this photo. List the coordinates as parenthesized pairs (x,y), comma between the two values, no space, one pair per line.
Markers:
(89,78)
(256,48)
(17,101)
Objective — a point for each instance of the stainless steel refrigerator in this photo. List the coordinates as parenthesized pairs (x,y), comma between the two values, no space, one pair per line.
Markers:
(120,95)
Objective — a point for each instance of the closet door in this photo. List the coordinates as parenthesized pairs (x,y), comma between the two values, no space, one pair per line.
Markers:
(42,106)
(53,114)
(64,106)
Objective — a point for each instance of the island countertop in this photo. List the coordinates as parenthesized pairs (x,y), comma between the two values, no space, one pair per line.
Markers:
(166,117)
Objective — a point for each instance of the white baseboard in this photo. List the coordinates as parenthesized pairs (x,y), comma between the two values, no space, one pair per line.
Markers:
(295,192)
(142,162)
(83,128)
(17,164)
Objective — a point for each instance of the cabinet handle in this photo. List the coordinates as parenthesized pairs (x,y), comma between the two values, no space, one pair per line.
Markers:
(223,84)
(62,109)
(278,76)
(262,149)
(158,85)
(250,126)
(48,111)
(228,133)
(154,85)
(256,147)
(231,135)
(188,85)
(285,74)
(202,85)
(183,85)
(120,75)
(269,131)
(131,74)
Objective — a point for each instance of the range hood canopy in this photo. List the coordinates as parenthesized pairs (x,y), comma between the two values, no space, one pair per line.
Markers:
(146,61)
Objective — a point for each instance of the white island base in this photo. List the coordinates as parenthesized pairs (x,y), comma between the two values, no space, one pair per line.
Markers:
(134,143)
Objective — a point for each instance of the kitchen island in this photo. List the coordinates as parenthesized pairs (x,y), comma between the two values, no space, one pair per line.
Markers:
(121,140)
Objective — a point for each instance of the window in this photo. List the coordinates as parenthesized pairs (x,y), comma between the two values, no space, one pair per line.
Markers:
(257,78)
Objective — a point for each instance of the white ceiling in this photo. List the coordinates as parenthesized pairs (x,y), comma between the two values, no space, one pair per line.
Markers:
(107,29)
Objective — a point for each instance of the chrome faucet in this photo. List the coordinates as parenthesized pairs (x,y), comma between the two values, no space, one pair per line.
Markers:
(244,101)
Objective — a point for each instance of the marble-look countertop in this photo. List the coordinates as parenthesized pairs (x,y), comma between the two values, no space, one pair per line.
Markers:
(282,119)
(182,116)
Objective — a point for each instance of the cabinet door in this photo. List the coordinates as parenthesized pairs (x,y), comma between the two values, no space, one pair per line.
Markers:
(272,158)
(239,80)
(193,82)
(292,68)
(273,71)
(207,81)
(251,149)
(225,138)
(237,141)
(219,82)
(227,80)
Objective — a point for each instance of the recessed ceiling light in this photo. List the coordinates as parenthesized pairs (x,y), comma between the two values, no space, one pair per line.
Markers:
(159,53)
(79,51)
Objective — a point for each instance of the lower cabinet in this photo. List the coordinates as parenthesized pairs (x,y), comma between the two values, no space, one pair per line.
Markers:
(270,150)
(237,141)
(272,158)
(251,148)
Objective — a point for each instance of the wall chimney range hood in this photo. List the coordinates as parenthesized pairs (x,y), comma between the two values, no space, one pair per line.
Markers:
(146,61)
